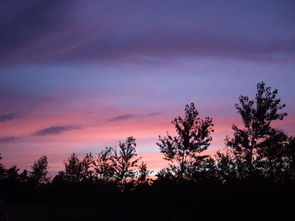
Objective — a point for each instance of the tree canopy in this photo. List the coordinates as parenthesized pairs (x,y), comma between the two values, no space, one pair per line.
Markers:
(193,137)
(40,170)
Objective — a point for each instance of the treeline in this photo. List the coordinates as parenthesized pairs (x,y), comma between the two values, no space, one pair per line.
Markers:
(118,165)
(257,150)
(255,172)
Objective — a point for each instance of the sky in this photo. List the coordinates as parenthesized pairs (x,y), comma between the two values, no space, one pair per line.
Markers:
(76,76)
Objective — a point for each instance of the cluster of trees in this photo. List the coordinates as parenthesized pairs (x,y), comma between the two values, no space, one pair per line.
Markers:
(118,165)
(256,151)
(112,165)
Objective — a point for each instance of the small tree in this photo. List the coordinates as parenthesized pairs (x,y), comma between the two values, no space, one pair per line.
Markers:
(202,170)
(59,178)
(73,169)
(124,160)
(78,170)
(12,175)
(86,165)
(225,166)
(271,155)
(103,165)
(256,138)
(39,170)
(143,173)
(193,137)
(290,157)
(24,176)
(2,169)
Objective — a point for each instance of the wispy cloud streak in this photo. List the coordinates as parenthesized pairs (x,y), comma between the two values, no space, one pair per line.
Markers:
(9,116)
(122,117)
(9,139)
(55,130)
(131,116)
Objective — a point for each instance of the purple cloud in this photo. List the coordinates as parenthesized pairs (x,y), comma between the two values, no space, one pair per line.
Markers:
(8,139)
(23,22)
(9,116)
(131,116)
(122,117)
(55,130)
(56,31)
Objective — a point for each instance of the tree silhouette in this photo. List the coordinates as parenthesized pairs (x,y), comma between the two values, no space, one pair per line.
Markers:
(103,165)
(143,173)
(73,169)
(12,173)
(39,170)
(124,160)
(77,170)
(24,176)
(60,178)
(271,155)
(251,173)
(290,157)
(203,169)
(257,137)
(193,137)
(2,169)
(225,166)
(86,166)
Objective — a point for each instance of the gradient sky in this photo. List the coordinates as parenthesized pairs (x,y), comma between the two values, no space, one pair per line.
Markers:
(78,75)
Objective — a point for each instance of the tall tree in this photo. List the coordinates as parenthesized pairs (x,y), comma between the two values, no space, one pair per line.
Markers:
(193,137)
(125,160)
(256,137)
(40,170)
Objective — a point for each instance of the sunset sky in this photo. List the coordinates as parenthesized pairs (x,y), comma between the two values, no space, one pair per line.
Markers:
(78,75)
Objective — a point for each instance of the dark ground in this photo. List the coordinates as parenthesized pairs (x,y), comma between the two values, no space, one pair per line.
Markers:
(171,202)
